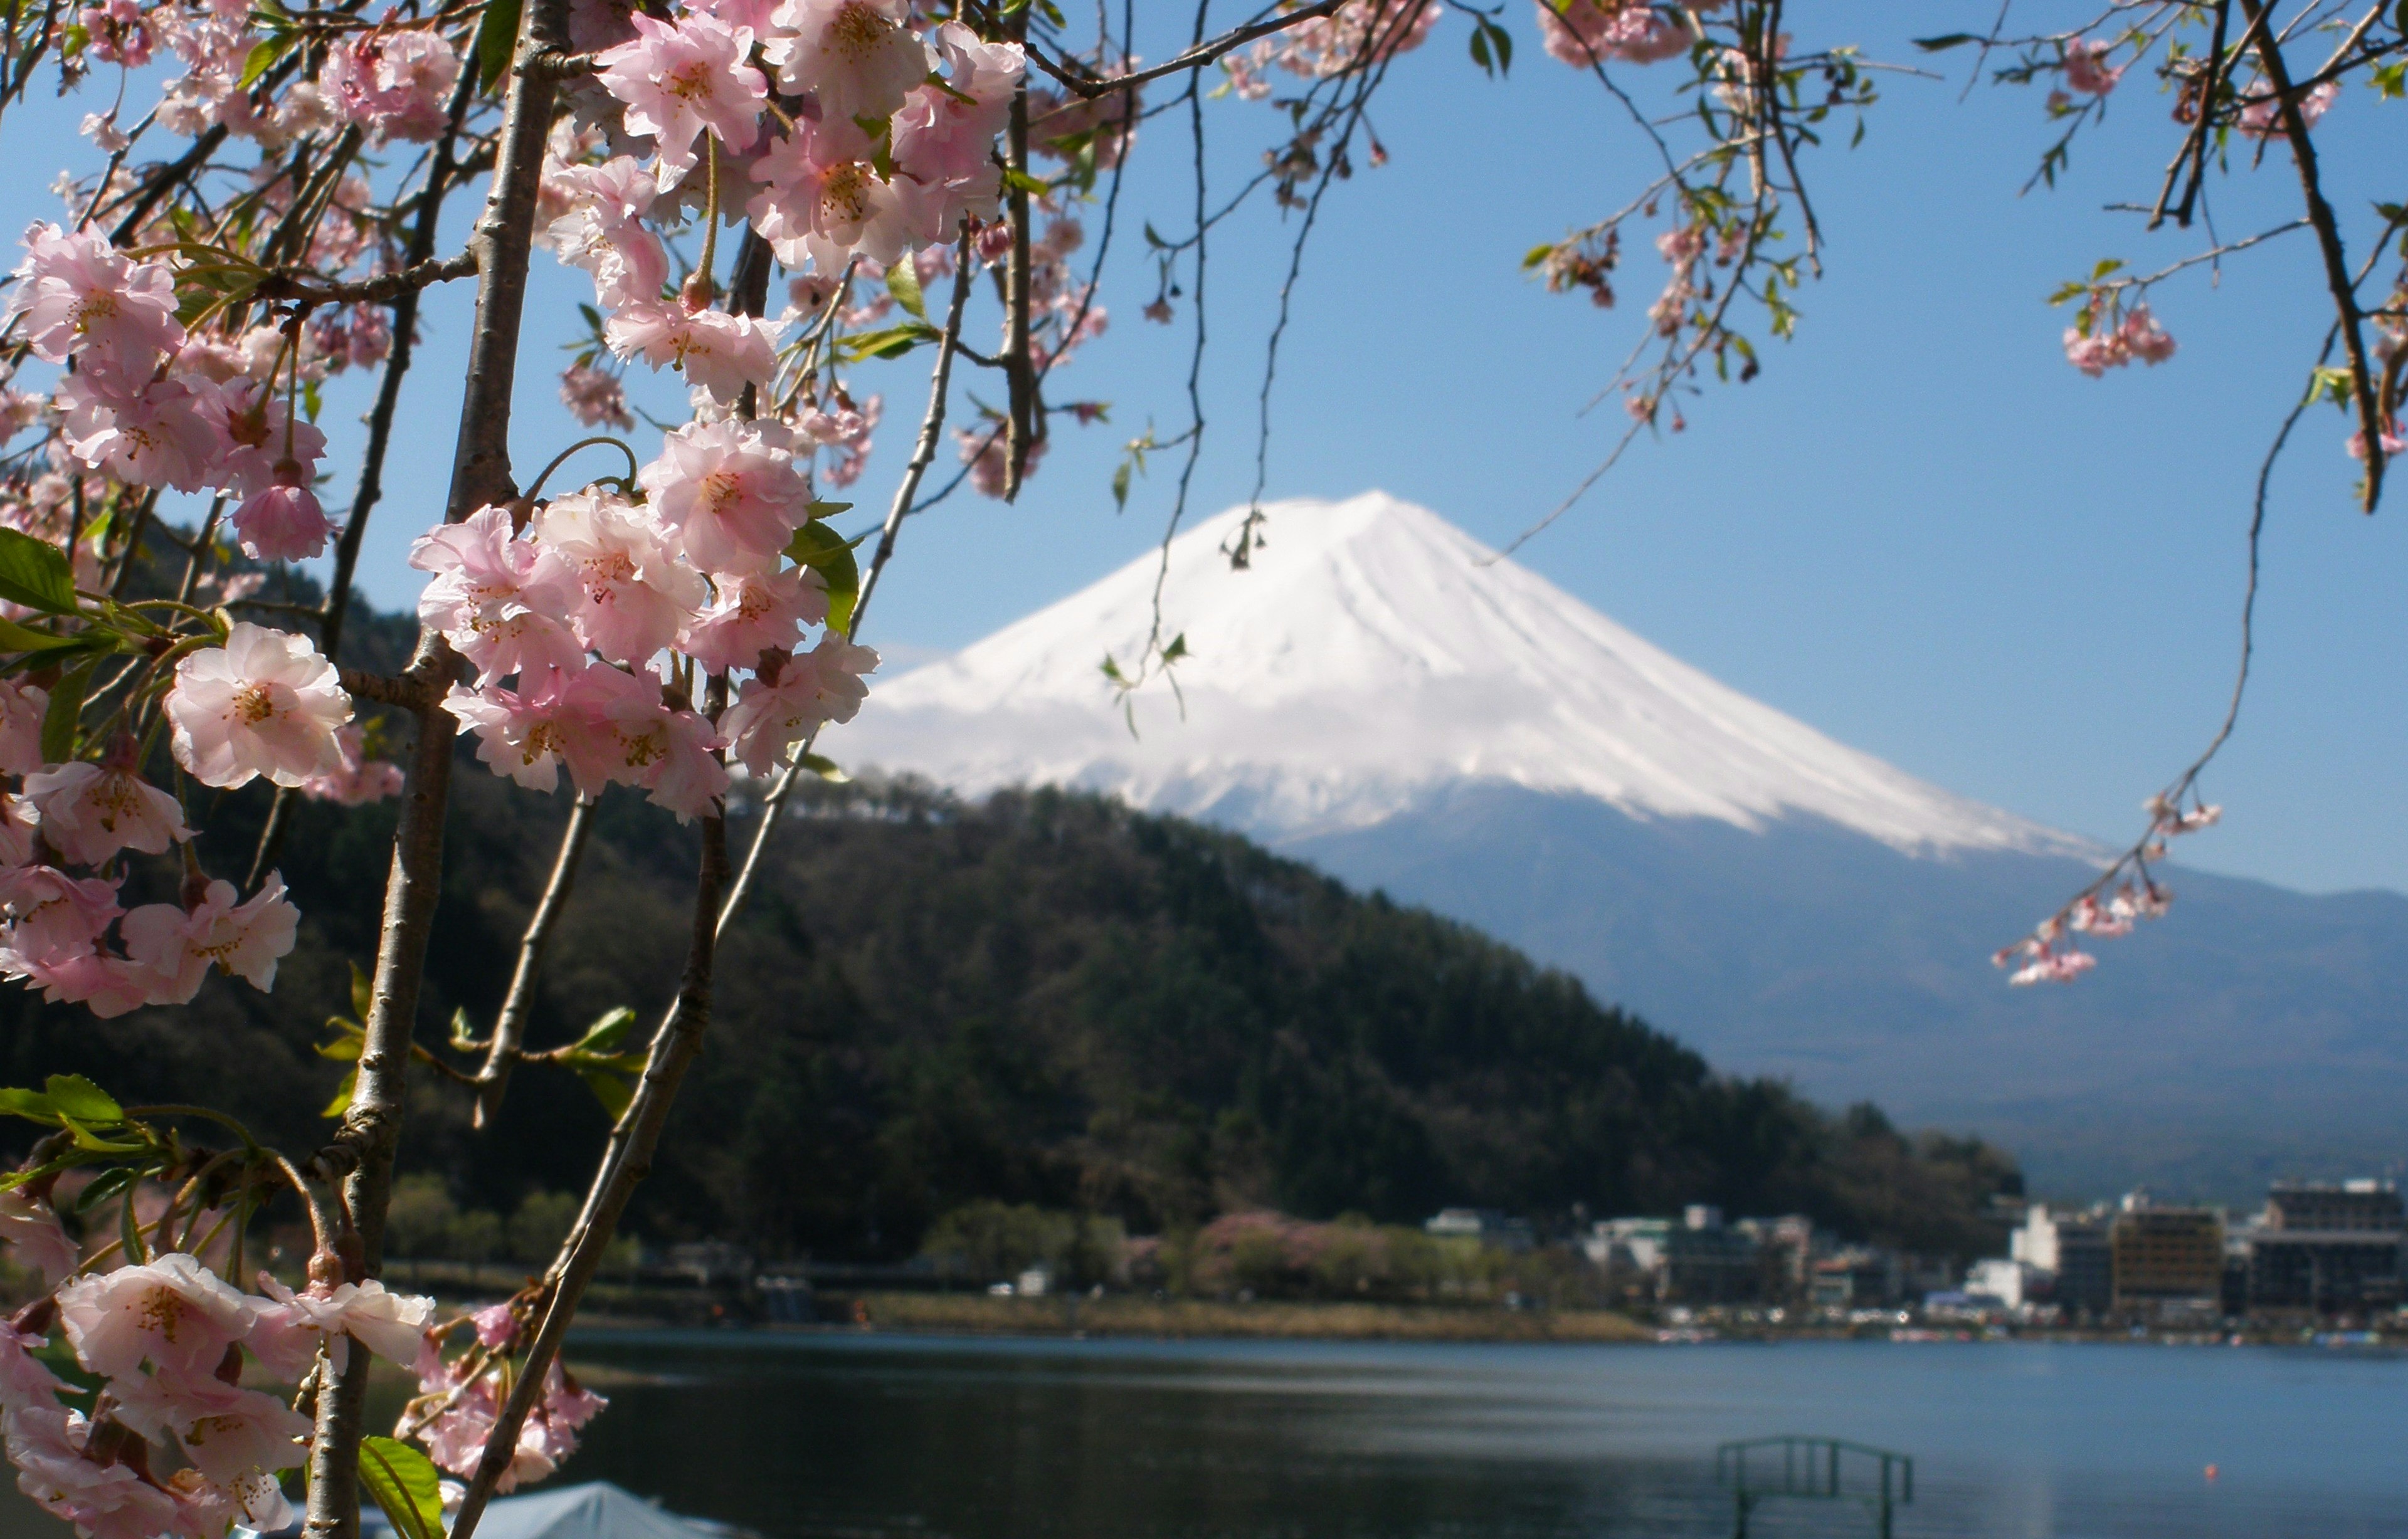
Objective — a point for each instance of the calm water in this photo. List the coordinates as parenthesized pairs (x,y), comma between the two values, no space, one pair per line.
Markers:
(864,1438)
(860,1436)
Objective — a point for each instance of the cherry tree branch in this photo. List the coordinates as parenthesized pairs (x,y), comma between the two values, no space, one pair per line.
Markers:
(510,1026)
(1080,81)
(363,1148)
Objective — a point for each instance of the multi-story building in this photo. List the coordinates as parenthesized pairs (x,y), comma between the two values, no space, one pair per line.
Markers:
(2167,1260)
(1487,1225)
(1784,1248)
(2070,1256)
(2327,1249)
(1695,1258)
(1859,1277)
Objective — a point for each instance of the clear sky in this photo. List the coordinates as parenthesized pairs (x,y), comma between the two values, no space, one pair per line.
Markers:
(1919,531)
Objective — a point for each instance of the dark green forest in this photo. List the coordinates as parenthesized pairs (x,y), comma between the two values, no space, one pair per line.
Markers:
(1042,998)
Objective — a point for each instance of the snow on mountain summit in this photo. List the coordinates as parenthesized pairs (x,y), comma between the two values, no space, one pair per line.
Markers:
(1373,656)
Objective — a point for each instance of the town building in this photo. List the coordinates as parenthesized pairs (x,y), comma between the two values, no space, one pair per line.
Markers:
(2167,1260)
(1490,1228)
(2012,1283)
(1858,1277)
(2069,1256)
(1784,1248)
(1695,1259)
(2325,1249)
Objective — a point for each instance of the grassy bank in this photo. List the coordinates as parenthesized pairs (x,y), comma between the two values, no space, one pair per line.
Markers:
(1124,1316)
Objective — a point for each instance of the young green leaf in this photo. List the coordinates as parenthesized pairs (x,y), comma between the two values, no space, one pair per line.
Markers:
(615,1092)
(404,1484)
(903,282)
(819,547)
(497,38)
(608,1031)
(66,706)
(825,768)
(342,1102)
(77,1097)
(34,573)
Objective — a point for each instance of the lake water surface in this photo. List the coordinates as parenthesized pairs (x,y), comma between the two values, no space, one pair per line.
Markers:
(855,1437)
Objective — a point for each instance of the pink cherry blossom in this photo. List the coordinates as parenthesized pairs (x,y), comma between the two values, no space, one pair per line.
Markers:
(394,84)
(228,1432)
(520,733)
(2263,115)
(939,137)
(857,57)
(173,1314)
(684,78)
(2143,338)
(103,1501)
(119,34)
(823,200)
(499,600)
(752,613)
(254,424)
(595,398)
(731,492)
(2087,69)
(358,781)
(634,594)
(618,729)
(77,294)
(24,1383)
(176,949)
(1586,33)
(21,708)
(721,352)
(2054,967)
(2392,440)
(18,825)
(154,435)
(984,451)
(89,812)
(52,915)
(283,523)
(264,704)
(812,688)
(496,1325)
(291,1329)
(31,1227)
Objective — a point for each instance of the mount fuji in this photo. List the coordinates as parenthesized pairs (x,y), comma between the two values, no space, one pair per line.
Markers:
(1381,695)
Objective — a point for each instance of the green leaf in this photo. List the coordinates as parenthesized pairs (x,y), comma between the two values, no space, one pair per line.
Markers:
(1021,181)
(1121,485)
(614,1091)
(350,1040)
(1537,255)
(31,1104)
(342,1102)
(404,1484)
(18,638)
(463,1032)
(819,547)
(497,38)
(34,573)
(104,1186)
(826,509)
(66,706)
(1953,39)
(903,282)
(824,767)
(262,55)
(888,341)
(608,1031)
(1177,650)
(1479,49)
(79,1098)
(87,1139)
(363,993)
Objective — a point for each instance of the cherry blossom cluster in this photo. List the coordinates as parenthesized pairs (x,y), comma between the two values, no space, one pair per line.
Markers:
(459,1398)
(1587,32)
(166,1343)
(2106,335)
(589,619)
(2050,954)
(1356,33)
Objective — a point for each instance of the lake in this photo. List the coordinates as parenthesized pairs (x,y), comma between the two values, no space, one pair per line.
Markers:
(842,1436)
(852,1436)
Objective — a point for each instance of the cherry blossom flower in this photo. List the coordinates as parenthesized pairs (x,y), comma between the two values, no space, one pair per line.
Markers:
(984,451)
(721,352)
(2143,338)
(520,733)
(119,34)
(176,949)
(21,708)
(2391,440)
(496,598)
(2263,115)
(810,690)
(2054,967)
(291,1330)
(753,612)
(857,57)
(731,494)
(264,704)
(2087,69)
(684,78)
(24,1383)
(823,200)
(89,812)
(52,915)
(255,425)
(949,134)
(229,1433)
(595,398)
(283,523)
(77,294)
(18,825)
(633,595)
(358,781)
(395,83)
(51,1449)
(31,1227)
(616,728)
(156,434)
(1586,33)
(173,1313)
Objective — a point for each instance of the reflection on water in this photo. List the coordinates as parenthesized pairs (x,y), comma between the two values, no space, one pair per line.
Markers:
(839,1436)
(873,1435)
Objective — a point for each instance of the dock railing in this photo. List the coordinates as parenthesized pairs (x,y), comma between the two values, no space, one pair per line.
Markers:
(1825,1469)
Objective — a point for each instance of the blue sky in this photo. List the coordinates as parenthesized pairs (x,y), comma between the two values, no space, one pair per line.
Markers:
(1919,531)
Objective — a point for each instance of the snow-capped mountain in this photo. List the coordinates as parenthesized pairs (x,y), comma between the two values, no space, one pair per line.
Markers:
(1371,655)
(1379,694)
